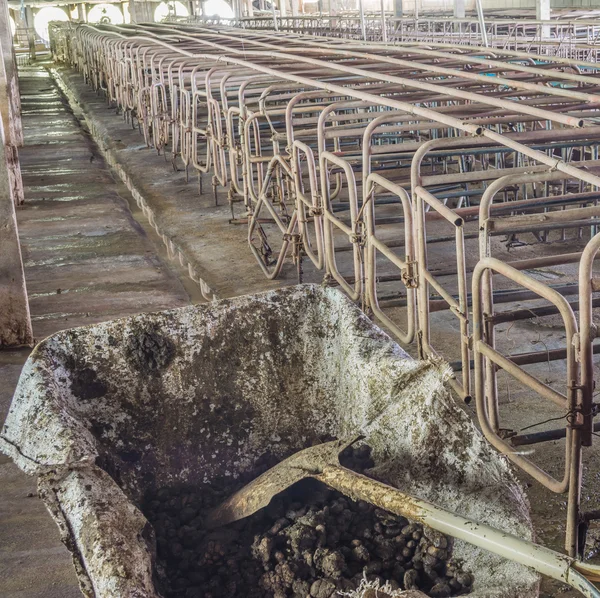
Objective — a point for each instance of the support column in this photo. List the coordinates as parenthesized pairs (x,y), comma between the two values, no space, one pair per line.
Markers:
(10,106)
(398,9)
(459,9)
(81,12)
(19,18)
(141,12)
(15,321)
(149,8)
(275,19)
(480,17)
(542,13)
(363,27)
(237,9)
(133,10)
(383,22)
(30,31)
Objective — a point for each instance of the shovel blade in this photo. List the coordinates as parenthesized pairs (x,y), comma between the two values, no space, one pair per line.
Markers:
(258,493)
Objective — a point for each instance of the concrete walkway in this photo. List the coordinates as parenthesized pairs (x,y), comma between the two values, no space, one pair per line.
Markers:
(86,259)
(198,229)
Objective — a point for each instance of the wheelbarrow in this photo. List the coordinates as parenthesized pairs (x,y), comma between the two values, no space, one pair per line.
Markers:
(104,413)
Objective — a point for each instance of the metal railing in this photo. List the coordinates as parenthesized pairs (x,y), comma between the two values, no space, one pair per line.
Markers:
(572,39)
(393,171)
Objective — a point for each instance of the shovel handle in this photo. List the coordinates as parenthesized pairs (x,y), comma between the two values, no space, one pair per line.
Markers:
(543,560)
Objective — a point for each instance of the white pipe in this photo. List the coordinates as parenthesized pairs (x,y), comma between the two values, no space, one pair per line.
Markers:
(361,10)
(275,23)
(383,26)
(484,36)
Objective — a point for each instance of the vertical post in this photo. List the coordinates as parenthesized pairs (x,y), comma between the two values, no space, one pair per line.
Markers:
(542,13)
(459,9)
(10,106)
(361,10)
(81,12)
(15,321)
(30,31)
(19,17)
(141,12)
(294,5)
(398,10)
(133,11)
(275,22)
(383,23)
(484,36)
(574,500)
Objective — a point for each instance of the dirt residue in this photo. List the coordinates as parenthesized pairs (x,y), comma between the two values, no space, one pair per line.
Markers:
(84,381)
(85,385)
(149,350)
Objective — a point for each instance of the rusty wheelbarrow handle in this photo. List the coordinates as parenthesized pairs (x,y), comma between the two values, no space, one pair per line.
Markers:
(576,574)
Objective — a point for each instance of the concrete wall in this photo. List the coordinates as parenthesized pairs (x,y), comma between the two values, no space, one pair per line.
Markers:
(15,323)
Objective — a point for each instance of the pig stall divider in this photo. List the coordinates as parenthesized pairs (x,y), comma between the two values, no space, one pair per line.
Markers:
(371,160)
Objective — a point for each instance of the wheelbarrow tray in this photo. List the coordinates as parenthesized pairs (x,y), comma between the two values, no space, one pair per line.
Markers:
(103,413)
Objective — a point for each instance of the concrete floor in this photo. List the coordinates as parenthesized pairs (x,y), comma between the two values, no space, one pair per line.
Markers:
(110,263)
(195,226)
(86,260)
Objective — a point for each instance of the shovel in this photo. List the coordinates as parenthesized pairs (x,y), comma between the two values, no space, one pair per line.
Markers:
(321,462)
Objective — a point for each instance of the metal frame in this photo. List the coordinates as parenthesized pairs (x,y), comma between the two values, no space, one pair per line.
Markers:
(362,154)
